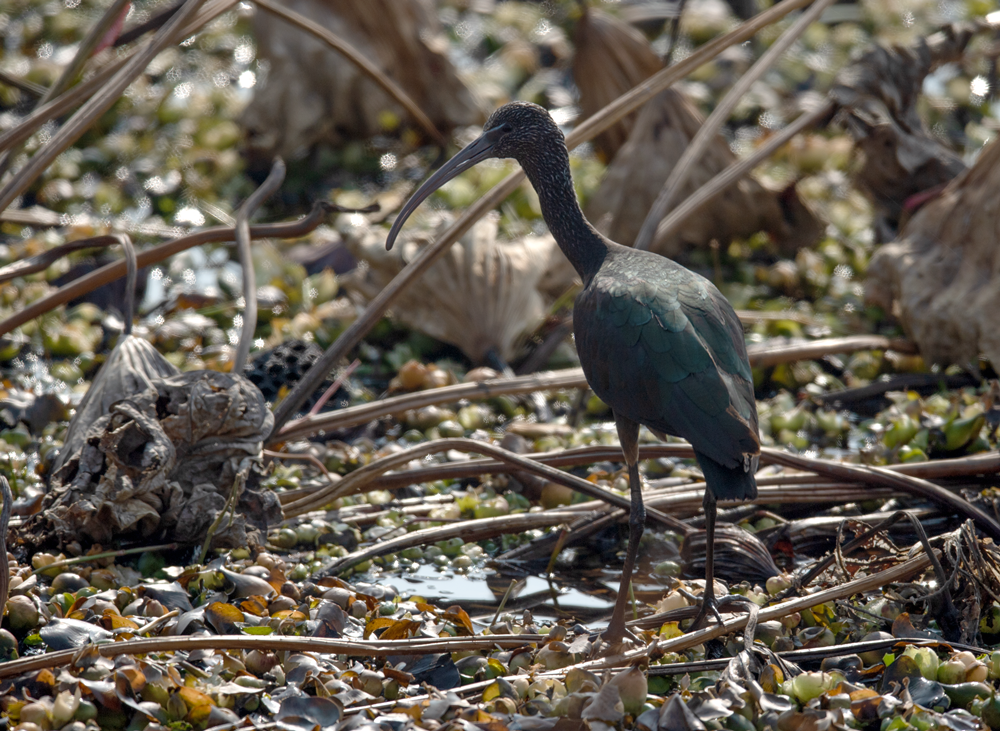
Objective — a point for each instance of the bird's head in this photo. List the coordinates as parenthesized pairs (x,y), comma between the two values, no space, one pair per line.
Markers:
(514,130)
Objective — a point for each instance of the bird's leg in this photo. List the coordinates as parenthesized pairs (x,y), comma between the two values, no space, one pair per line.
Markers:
(628,434)
(708,603)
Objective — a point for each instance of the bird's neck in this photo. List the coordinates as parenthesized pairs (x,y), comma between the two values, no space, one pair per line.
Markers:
(550,176)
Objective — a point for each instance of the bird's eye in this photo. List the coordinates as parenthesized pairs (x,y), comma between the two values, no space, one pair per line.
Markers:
(506,129)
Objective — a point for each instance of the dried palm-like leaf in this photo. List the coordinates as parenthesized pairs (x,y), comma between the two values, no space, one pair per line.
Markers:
(878,95)
(481,296)
(942,276)
(314,94)
(611,58)
(739,555)
(662,131)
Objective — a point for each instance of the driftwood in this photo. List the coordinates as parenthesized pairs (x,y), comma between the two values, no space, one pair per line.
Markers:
(313,94)
(163,462)
(941,278)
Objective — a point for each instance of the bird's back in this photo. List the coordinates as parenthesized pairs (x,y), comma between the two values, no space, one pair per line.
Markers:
(663,347)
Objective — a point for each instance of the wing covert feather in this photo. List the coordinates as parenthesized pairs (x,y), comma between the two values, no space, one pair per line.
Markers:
(669,354)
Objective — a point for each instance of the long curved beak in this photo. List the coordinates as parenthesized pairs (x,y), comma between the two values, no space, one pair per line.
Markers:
(473,153)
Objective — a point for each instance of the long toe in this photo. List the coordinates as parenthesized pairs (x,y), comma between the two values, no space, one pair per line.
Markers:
(712,607)
(617,635)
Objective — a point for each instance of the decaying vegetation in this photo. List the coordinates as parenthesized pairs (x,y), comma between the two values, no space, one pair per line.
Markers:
(305,482)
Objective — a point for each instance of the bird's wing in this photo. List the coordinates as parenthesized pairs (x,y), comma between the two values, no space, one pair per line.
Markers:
(666,350)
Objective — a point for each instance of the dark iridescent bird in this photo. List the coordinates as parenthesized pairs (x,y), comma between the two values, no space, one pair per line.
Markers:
(658,343)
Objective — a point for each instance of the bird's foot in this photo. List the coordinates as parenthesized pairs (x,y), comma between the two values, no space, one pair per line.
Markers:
(617,634)
(712,606)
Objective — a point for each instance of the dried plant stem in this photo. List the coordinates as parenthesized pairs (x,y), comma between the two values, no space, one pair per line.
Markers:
(116,270)
(982,464)
(28,87)
(892,479)
(469,530)
(77,560)
(337,383)
(894,574)
(763,355)
(357,480)
(275,643)
(249,207)
(353,55)
(86,49)
(239,483)
(707,131)
(588,129)
(738,170)
(94,107)
(766,355)
(73,68)
(87,89)
(41,262)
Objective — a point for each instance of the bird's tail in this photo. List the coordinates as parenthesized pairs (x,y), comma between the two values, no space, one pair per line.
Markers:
(730,483)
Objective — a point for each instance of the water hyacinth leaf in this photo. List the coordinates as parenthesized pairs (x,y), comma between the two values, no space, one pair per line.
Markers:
(401,630)
(438,670)
(199,704)
(675,714)
(112,621)
(291,614)
(904,668)
(307,711)
(376,624)
(172,595)
(224,618)
(68,634)
(606,706)
(460,618)
(254,605)
(240,586)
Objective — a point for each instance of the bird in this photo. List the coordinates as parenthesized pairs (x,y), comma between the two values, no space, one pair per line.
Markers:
(658,343)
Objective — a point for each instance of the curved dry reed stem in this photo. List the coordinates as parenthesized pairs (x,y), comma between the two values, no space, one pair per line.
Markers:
(94,107)
(131,275)
(116,270)
(356,481)
(86,49)
(353,55)
(763,355)
(242,231)
(588,129)
(895,574)
(470,530)
(86,89)
(28,87)
(274,643)
(889,478)
(980,464)
(699,143)
(41,262)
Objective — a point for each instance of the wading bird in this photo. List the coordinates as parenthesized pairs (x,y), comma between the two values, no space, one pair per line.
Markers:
(658,343)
